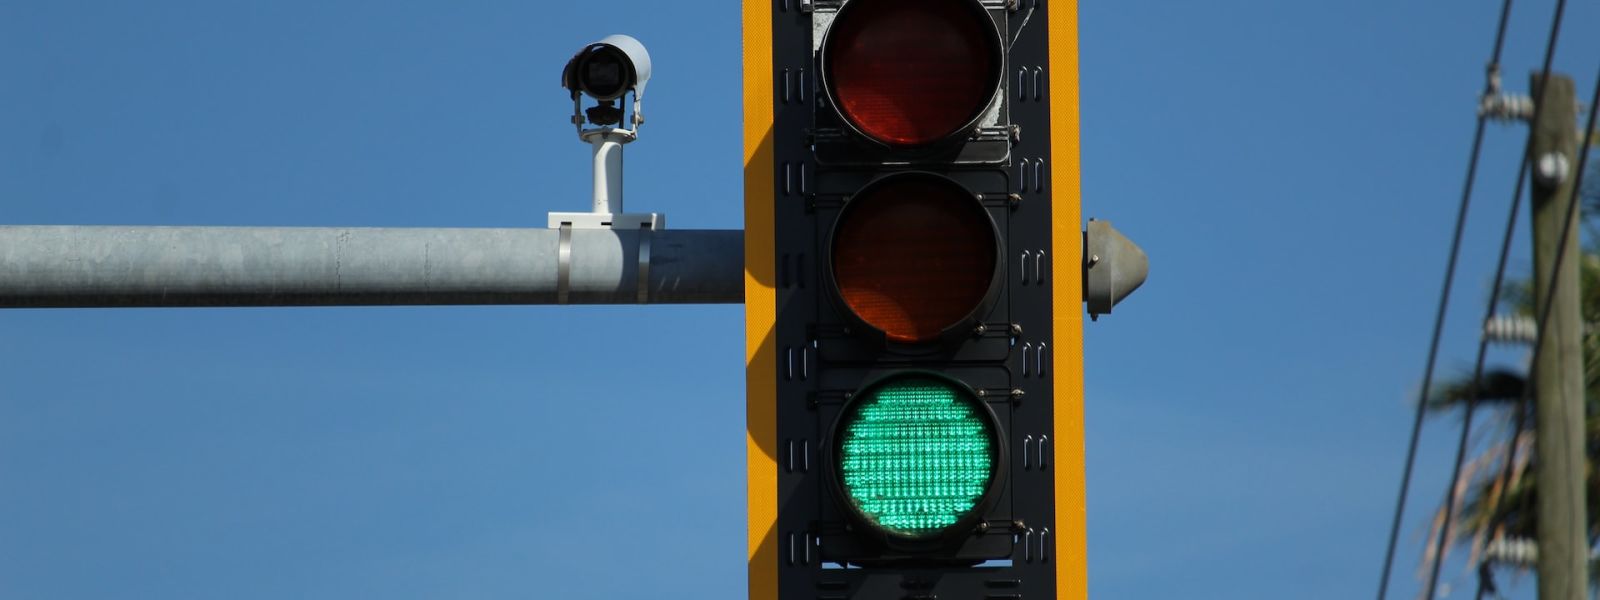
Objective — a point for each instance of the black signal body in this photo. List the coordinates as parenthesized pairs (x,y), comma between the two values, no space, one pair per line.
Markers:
(904,206)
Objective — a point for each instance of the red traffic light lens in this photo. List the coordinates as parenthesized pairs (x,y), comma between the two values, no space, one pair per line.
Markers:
(912,72)
(914,255)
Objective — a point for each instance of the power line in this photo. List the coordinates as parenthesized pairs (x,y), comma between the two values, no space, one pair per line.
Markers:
(1472,389)
(1494,298)
(1492,87)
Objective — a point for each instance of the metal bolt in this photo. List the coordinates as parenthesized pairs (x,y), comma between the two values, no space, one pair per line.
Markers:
(1019,526)
(1016,330)
(978,196)
(1016,134)
(983,527)
(980,330)
(1015,199)
(1017,393)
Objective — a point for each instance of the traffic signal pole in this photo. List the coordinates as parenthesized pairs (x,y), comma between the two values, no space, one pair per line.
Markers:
(1558,371)
(75,266)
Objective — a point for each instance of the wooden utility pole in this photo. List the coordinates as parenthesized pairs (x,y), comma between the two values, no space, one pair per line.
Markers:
(1558,372)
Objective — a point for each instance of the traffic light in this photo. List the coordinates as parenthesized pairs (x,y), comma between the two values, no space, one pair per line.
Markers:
(914,272)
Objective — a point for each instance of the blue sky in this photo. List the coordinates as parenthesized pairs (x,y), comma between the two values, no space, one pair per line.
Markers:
(1291,168)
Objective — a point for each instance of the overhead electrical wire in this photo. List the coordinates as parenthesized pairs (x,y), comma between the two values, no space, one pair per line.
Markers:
(1492,87)
(1494,297)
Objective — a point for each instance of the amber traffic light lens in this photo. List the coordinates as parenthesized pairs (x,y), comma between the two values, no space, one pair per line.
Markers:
(912,72)
(914,255)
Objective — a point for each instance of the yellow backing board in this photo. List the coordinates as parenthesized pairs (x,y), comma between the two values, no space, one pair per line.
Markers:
(1072,576)
(760,304)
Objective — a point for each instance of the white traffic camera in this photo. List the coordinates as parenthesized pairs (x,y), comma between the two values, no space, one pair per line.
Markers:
(606,71)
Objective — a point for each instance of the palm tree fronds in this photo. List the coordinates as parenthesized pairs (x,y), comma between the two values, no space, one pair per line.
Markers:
(1499,386)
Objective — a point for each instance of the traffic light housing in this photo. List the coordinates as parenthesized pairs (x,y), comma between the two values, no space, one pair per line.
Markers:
(914,275)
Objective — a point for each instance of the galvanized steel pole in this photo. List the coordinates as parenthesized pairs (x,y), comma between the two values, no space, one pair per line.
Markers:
(72,266)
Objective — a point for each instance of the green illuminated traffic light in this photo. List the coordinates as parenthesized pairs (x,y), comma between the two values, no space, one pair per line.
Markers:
(917,454)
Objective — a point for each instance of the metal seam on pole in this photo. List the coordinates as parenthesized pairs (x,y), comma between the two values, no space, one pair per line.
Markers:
(644,263)
(564,264)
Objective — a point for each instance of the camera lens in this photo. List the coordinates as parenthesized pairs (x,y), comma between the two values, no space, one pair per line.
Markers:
(604,73)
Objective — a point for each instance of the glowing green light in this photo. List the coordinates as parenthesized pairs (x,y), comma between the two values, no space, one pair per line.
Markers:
(916,455)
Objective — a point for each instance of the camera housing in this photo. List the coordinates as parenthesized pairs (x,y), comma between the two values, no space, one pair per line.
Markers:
(606,70)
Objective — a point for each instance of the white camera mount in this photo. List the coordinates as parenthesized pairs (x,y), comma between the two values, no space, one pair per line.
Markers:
(606,71)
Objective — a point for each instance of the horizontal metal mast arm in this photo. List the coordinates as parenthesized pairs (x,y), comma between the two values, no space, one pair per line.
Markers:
(75,266)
